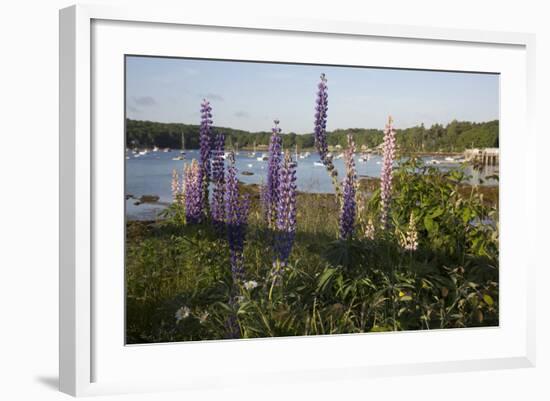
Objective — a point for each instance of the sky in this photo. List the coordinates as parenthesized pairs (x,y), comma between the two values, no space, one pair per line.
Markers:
(249,96)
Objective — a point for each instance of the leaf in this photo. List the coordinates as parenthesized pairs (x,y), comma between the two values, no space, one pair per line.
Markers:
(488,300)
(325,279)
(428,223)
(479,316)
(436,213)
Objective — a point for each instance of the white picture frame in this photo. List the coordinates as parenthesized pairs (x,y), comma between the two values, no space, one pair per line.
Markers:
(84,343)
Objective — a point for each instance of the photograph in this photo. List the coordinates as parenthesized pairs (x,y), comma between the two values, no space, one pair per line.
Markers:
(272,199)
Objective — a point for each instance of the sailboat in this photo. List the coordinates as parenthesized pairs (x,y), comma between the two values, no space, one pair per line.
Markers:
(253,153)
(182,151)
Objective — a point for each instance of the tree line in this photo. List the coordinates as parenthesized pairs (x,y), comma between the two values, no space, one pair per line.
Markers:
(453,137)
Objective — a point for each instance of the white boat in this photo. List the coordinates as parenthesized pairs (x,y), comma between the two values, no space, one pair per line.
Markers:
(339,156)
(433,161)
(181,157)
(264,157)
(318,164)
(253,153)
(365,157)
(143,152)
(249,165)
(155,149)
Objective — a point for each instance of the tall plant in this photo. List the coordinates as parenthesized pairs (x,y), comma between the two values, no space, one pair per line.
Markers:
(236,218)
(270,191)
(286,209)
(205,153)
(348,208)
(218,173)
(387,172)
(320,133)
(192,185)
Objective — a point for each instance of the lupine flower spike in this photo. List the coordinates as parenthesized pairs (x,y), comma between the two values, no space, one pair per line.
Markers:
(348,208)
(387,172)
(269,192)
(192,186)
(369,230)
(175,186)
(217,206)
(409,241)
(236,217)
(286,209)
(205,153)
(320,133)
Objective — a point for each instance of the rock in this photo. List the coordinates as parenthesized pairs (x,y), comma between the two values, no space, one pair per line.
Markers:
(247,173)
(149,199)
(130,196)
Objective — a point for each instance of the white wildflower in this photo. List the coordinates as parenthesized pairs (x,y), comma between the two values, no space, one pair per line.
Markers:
(409,242)
(203,317)
(182,313)
(250,285)
(369,230)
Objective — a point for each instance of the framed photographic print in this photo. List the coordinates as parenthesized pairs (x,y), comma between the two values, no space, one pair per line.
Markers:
(265,198)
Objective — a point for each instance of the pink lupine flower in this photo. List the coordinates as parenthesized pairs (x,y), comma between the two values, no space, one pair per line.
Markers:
(387,172)
(175,186)
(192,183)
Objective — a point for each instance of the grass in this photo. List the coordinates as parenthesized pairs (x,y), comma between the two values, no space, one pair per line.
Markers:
(330,286)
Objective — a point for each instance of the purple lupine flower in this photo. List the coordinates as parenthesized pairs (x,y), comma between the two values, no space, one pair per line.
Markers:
(217,206)
(321,107)
(192,186)
(320,132)
(349,204)
(387,172)
(286,209)
(236,217)
(205,153)
(269,193)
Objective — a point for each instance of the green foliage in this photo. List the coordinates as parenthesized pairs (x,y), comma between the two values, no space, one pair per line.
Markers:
(330,286)
(456,136)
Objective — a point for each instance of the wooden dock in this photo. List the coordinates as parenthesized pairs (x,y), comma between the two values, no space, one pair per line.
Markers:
(483,157)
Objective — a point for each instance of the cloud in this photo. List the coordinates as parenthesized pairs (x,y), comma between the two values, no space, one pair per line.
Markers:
(144,101)
(131,108)
(212,96)
(241,114)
